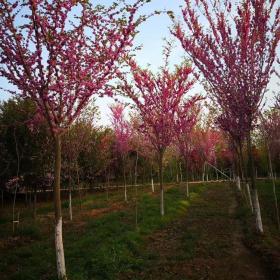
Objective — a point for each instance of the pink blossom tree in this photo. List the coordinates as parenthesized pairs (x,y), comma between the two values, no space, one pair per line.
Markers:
(60,60)
(185,119)
(156,98)
(123,134)
(235,50)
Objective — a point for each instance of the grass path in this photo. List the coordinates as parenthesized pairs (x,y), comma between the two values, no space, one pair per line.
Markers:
(206,243)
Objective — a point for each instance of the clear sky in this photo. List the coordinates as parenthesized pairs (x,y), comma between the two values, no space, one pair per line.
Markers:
(150,37)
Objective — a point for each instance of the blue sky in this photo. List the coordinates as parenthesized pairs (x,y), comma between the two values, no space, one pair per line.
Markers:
(151,37)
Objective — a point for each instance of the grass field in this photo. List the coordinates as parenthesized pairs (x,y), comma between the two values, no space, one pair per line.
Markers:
(103,242)
(100,242)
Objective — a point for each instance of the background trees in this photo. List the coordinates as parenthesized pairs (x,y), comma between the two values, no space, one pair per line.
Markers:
(156,98)
(235,54)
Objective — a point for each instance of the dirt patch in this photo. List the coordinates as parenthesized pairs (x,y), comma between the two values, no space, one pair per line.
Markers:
(101,211)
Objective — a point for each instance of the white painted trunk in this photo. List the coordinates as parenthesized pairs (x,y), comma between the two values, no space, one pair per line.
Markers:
(70,206)
(153,187)
(60,261)
(188,194)
(161,203)
(238,183)
(257,211)
(249,197)
(125,193)
(181,174)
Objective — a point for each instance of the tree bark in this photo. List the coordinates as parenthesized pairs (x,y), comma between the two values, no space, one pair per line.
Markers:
(161,183)
(60,261)
(124,181)
(18,166)
(203,171)
(256,205)
(187,178)
(78,183)
(238,183)
(249,197)
(181,174)
(136,190)
(70,205)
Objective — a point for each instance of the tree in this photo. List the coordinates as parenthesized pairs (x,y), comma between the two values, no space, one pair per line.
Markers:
(235,53)
(25,155)
(60,61)
(156,98)
(123,134)
(185,119)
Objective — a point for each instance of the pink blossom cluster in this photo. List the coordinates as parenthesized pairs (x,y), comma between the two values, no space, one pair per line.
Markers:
(60,59)
(235,54)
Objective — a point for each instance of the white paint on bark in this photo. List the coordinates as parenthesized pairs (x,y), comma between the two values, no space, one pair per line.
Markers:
(125,193)
(188,194)
(238,183)
(249,197)
(257,210)
(153,187)
(60,261)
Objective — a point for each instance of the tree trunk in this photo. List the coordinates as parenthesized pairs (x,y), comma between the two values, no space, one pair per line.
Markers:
(60,261)
(203,172)
(249,197)
(161,183)
(181,174)
(238,183)
(177,172)
(256,205)
(273,185)
(18,166)
(70,205)
(187,178)
(153,187)
(124,181)
(136,190)
(78,183)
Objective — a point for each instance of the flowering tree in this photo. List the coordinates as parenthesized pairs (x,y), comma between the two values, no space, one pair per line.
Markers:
(60,60)
(156,98)
(141,143)
(185,119)
(235,54)
(123,133)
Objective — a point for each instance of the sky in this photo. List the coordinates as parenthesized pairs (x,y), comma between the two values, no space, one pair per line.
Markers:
(151,35)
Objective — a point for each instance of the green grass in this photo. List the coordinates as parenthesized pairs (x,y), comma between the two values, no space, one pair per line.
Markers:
(99,247)
(267,203)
